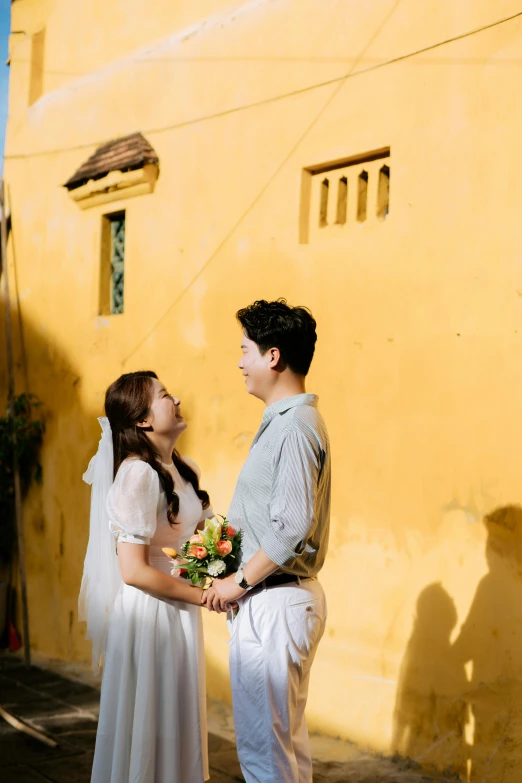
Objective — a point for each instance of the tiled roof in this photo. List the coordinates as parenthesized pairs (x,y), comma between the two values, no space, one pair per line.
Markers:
(124,154)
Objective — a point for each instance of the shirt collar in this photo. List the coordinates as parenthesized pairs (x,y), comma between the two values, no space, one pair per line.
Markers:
(281,406)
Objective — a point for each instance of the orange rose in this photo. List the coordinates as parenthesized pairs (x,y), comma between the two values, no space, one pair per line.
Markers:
(224,547)
(231,532)
(196,539)
(199,552)
(169,551)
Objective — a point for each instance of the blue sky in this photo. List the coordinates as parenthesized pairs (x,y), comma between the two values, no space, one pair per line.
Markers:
(5,18)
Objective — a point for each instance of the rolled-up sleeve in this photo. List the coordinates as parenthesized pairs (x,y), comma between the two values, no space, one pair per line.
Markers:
(292,498)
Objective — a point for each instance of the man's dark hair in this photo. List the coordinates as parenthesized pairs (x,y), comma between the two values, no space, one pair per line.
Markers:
(278,325)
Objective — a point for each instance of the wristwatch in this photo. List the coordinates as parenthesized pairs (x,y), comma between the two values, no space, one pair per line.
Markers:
(239,578)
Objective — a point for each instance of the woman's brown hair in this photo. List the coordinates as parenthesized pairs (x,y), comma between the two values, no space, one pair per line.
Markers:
(127,402)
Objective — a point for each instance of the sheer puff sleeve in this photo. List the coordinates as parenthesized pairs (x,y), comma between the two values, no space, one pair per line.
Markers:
(132,502)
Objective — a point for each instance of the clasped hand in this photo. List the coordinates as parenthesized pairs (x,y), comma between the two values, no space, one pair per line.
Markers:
(222,595)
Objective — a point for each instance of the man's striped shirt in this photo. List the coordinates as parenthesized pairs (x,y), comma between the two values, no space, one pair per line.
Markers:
(282,497)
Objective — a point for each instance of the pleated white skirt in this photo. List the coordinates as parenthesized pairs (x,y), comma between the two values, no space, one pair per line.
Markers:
(152,726)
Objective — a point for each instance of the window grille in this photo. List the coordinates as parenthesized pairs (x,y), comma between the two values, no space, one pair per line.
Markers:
(112,272)
(117,263)
(327,210)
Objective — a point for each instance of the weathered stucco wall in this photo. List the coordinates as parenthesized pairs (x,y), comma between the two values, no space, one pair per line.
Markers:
(418,365)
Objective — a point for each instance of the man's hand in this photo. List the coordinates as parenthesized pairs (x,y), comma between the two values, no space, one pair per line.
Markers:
(222,593)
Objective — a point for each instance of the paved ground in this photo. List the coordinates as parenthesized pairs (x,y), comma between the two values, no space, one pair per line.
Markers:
(67,711)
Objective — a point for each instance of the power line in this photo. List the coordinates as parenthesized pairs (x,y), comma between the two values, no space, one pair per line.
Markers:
(262,191)
(282,96)
(242,59)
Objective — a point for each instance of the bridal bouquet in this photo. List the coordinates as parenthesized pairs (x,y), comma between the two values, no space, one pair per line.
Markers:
(207,555)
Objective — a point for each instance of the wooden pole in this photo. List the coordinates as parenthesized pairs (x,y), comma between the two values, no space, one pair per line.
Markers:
(21,725)
(11,413)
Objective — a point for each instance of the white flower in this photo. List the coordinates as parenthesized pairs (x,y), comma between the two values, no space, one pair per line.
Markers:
(216,568)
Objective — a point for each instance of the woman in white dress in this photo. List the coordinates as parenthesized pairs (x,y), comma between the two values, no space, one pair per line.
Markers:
(152,725)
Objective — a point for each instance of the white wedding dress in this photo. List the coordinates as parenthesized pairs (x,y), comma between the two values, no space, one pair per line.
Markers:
(152,726)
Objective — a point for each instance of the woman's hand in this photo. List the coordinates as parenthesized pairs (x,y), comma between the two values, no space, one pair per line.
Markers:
(136,571)
(222,594)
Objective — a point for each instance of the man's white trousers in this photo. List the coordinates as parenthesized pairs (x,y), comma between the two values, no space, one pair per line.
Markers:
(272,646)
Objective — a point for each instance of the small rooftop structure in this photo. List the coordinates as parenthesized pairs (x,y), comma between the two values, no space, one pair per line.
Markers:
(127,164)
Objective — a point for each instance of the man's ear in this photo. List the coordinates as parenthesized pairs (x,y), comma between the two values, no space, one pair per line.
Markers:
(275,360)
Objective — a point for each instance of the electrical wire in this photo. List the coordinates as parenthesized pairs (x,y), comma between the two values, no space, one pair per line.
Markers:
(282,96)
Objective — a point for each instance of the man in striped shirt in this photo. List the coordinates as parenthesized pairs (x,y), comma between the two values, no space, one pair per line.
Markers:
(282,504)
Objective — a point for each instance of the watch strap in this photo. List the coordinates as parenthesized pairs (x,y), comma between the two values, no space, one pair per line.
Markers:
(244,584)
(241,580)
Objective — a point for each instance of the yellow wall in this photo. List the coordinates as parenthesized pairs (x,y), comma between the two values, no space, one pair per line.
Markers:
(418,365)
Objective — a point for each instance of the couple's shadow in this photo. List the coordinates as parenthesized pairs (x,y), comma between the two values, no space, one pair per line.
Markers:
(459,704)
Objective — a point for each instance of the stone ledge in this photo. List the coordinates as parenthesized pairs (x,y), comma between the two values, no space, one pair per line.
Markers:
(115,186)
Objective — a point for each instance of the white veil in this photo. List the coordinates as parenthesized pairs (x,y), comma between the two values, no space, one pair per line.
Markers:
(101,572)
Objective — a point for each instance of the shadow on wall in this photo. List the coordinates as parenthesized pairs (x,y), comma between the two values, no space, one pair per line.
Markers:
(459,705)
(55,513)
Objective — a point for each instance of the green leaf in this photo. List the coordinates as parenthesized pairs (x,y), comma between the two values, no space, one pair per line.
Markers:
(27,433)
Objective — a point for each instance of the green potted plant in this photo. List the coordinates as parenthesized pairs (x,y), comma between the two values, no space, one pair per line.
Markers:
(26,430)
